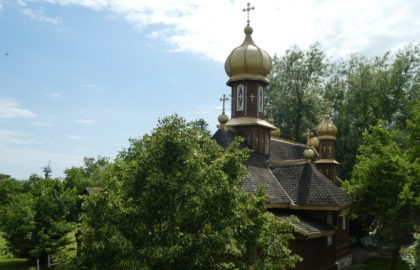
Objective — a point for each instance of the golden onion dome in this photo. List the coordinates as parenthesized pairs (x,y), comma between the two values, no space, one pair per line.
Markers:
(326,127)
(308,154)
(248,61)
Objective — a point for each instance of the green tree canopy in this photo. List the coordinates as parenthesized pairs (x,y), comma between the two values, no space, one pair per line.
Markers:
(173,201)
(385,187)
(295,92)
(34,222)
(365,91)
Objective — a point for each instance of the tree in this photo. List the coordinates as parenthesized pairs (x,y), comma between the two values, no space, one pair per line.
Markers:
(173,201)
(35,222)
(385,188)
(364,91)
(47,170)
(9,187)
(295,92)
(91,174)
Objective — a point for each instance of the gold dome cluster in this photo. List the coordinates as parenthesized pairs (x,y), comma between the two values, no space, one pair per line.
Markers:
(248,61)
(326,127)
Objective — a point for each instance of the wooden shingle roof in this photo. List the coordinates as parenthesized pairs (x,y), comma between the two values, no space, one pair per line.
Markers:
(289,181)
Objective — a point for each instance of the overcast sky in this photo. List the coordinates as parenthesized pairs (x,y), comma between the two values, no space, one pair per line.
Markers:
(80,77)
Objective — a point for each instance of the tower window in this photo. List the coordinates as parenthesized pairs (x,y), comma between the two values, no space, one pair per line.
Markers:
(240,97)
(329,240)
(260,99)
(329,218)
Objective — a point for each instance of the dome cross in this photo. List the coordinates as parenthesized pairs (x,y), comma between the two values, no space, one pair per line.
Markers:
(247,10)
(223,100)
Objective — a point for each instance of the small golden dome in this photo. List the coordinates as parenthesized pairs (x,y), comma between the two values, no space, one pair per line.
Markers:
(275,132)
(326,127)
(313,142)
(223,118)
(248,61)
(308,154)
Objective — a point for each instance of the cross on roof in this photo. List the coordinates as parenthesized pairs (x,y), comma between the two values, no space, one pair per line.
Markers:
(223,100)
(327,106)
(247,10)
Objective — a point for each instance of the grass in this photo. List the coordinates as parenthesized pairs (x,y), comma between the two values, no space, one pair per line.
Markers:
(10,263)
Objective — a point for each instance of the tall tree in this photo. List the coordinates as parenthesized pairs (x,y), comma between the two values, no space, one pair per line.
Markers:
(9,187)
(296,88)
(364,91)
(385,186)
(173,201)
(47,170)
(35,223)
(91,175)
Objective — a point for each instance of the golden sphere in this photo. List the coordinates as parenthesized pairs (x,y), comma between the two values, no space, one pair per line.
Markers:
(308,154)
(314,142)
(223,118)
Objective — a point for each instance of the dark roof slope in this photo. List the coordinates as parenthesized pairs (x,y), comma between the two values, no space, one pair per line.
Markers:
(307,227)
(292,182)
(307,186)
(285,150)
(225,137)
(260,174)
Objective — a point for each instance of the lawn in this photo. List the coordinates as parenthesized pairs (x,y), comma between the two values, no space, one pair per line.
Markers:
(10,263)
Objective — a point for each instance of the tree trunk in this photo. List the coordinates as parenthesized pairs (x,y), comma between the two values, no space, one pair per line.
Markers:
(395,257)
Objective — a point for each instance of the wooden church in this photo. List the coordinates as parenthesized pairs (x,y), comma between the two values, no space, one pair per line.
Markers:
(300,179)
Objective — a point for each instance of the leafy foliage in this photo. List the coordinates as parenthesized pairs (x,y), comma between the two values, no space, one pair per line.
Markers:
(173,201)
(35,221)
(365,91)
(295,92)
(362,92)
(385,188)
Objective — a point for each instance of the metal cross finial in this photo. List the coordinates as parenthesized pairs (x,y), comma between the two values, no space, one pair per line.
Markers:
(247,10)
(223,100)
(327,106)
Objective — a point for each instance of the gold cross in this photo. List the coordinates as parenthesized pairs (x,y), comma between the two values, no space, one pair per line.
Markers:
(247,10)
(223,99)
(252,97)
(327,106)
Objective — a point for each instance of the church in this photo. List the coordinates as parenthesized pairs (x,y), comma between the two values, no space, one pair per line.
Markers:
(299,179)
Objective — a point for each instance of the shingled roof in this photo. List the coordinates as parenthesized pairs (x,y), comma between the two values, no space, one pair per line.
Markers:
(289,181)
(307,227)
(260,174)
(307,186)
(286,150)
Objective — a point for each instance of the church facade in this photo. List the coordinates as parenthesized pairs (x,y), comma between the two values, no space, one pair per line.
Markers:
(300,179)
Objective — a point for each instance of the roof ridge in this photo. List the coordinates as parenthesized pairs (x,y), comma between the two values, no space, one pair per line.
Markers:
(290,142)
(278,183)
